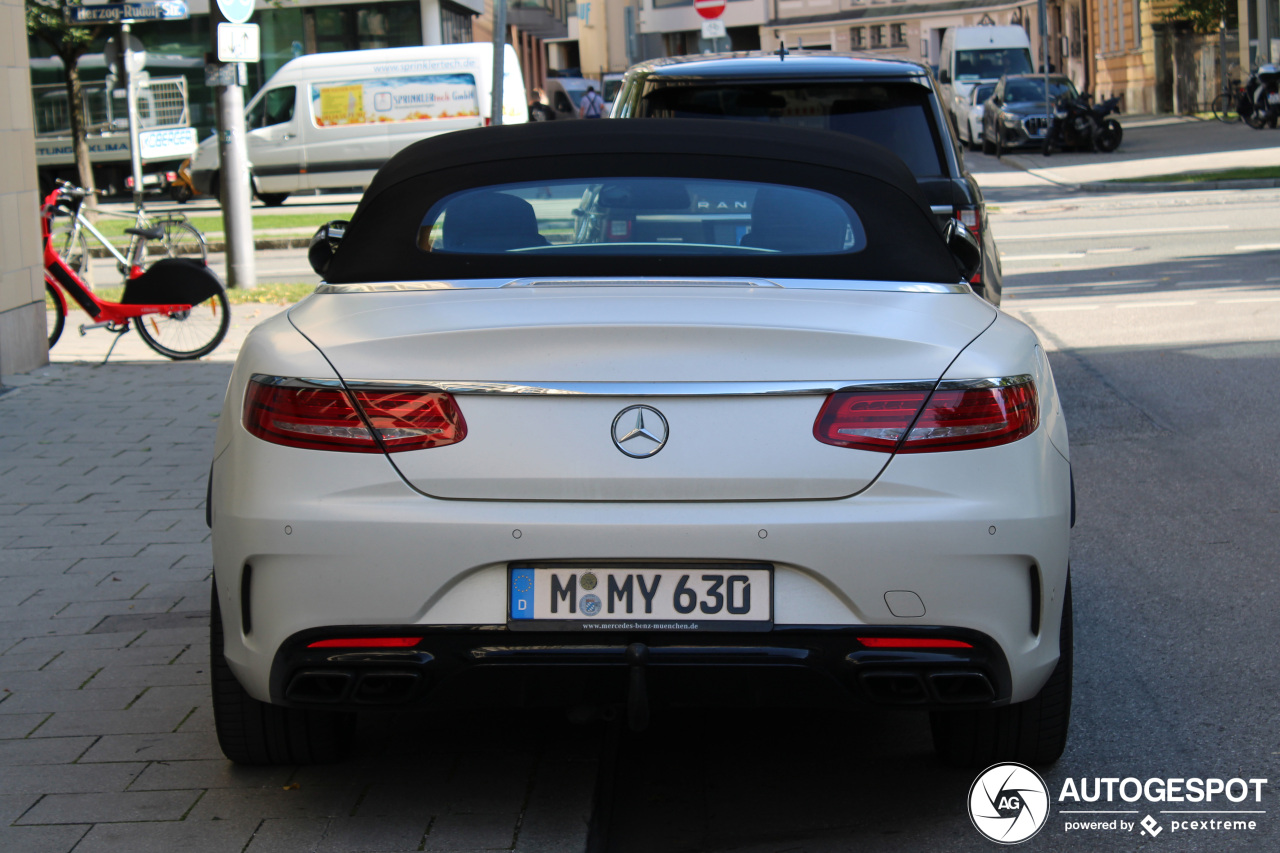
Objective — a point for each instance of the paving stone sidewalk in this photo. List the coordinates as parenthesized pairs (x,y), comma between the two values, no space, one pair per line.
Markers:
(106,733)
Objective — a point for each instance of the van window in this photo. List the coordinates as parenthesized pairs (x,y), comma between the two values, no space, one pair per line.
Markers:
(895,115)
(275,107)
(990,63)
(642,216)
(423,97)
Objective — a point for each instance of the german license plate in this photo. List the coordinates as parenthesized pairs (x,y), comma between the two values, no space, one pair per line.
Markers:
(684,597)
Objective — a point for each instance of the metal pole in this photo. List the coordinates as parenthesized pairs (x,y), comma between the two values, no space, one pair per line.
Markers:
(499,53)
(131,100)
(1043,12)
(1264,32)
(237,216)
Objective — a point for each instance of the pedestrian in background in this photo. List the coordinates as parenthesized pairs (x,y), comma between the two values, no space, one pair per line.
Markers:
(591,105)
(538,109)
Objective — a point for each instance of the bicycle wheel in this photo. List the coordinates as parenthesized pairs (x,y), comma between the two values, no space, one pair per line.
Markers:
(1223,108)
(189,334)
(71,245)
(55,305)
(183,240)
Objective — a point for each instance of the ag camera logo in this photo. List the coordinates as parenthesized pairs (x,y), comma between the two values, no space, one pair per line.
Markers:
(1008,803)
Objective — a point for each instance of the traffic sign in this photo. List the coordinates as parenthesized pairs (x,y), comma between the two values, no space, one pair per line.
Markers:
(709,9)
(239,43)
(714,30)
(236,11)
(114,13)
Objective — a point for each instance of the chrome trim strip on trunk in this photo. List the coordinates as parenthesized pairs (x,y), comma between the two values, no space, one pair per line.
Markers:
(642,389)
(794,284)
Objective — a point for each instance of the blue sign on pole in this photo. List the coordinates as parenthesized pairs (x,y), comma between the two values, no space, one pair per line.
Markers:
(114,13)
(236,11)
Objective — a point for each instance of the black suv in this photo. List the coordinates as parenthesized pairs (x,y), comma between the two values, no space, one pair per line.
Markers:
(889,101)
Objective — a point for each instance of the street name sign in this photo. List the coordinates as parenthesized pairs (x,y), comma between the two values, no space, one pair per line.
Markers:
(167,143)
(114,13)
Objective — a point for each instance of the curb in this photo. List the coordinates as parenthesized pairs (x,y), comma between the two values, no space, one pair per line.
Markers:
(1145,187)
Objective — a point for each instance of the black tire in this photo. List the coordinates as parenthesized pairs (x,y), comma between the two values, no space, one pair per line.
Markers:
(253,732)
(71,245)
(1033,732)
(272,199)
(181,193)
(988,147)
(59,321)
(1108,138)
(187,334)
(1256,119)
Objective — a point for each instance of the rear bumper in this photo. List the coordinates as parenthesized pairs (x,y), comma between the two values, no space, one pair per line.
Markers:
(811,664)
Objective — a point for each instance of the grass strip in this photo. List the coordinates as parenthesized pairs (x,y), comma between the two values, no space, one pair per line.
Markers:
(1242,174)
(281,293)
(113,226)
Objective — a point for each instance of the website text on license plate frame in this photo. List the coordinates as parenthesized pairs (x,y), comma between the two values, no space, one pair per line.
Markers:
(640,596)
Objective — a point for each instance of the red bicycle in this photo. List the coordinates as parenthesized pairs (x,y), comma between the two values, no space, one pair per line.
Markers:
(177,305)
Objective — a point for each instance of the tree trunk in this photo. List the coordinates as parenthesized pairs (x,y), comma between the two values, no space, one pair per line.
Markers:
(79,138)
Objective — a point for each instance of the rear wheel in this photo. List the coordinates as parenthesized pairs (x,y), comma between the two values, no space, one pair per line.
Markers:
(253,732)
(1223,108)
(988,147)
(181,193)
(182,240)
(188,334)
(55,305)
(272,199)
(1032,732)
(1108,136)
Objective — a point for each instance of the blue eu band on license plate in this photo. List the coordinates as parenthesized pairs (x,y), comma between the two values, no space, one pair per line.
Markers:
(684,597)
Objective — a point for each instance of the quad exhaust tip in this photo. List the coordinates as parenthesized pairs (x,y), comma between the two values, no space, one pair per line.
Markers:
(371,687)
(919,688)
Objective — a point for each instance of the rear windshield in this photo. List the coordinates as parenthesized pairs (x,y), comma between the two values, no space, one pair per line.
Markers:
(1033,90)
(641,216)
(897,116)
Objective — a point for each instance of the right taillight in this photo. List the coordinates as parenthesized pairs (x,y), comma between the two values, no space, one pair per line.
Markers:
(326,418)
(955,416)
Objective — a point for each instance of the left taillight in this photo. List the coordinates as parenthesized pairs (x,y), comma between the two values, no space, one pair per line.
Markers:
(327,418)
(953,417)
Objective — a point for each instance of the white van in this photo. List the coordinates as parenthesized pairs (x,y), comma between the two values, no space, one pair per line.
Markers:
(330,120)
(971,55)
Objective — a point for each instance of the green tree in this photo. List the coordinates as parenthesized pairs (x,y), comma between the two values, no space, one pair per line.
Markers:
(46,20)
(1205,15)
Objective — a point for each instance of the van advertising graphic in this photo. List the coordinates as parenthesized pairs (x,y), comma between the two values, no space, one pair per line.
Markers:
(394,99)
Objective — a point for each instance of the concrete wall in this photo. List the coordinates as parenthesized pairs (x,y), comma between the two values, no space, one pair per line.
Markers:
(23,341)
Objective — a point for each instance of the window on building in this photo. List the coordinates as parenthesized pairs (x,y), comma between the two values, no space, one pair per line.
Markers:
(858,38)
(898,35)
(455,23)
(877,37)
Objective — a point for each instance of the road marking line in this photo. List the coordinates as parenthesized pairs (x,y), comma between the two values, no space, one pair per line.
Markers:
(1115,251)
(1064,308)
(1243,301)
(1154,304)
(1133,232)
(1042,257)
(1258,247)
(1205,283)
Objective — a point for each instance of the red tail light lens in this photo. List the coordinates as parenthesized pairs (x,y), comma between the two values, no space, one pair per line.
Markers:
(326,418)
(912,643)
(367,643)
(952,419)
(971,218)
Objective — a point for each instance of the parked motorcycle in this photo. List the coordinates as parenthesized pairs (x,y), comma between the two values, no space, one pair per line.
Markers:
(1080,124)
(1259,100)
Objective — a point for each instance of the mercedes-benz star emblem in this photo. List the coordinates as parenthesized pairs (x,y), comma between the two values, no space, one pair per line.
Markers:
(640,431)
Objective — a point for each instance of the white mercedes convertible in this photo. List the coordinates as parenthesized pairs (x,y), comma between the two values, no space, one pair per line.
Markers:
(640,413)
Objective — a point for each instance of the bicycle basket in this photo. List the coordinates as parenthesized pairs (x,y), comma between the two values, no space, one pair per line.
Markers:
(172,281)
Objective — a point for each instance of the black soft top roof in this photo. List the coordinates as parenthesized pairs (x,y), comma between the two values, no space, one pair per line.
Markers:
(905,243)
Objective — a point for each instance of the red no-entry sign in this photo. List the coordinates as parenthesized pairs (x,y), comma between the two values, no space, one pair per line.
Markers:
(709,9)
